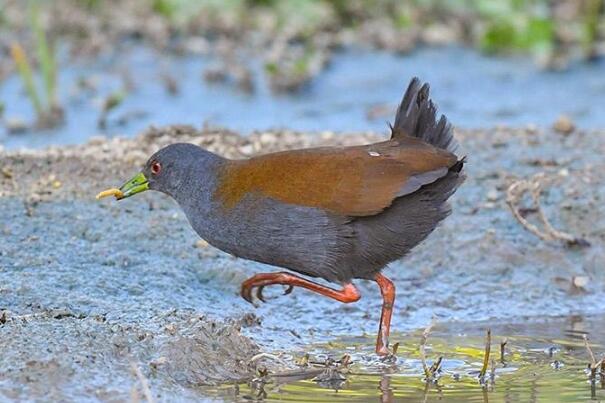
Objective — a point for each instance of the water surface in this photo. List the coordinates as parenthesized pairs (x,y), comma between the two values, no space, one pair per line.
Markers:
(358,91)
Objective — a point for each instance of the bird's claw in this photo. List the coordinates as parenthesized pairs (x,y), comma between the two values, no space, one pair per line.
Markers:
(246,292)
(259,293)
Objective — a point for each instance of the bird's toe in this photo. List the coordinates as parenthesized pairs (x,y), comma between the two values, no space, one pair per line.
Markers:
(288,290)
(259,293)
(246,294)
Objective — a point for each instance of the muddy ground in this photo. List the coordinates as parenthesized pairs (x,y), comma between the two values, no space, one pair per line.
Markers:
(92,289)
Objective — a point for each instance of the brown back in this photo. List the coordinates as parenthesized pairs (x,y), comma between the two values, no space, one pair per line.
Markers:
(350,181)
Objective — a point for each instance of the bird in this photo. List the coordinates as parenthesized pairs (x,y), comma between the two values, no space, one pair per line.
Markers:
(336,213)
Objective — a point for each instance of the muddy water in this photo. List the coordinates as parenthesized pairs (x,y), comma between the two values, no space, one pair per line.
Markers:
(552,367)
(358,91)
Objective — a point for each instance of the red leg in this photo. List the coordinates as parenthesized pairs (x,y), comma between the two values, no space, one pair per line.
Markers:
(387,289)
(348,293)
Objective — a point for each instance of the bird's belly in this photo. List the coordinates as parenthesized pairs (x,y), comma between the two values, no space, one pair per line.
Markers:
(299,238)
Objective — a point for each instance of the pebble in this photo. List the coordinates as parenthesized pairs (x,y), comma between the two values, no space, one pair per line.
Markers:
(15,125)
(201,244)
(158,362)
(492,195)
(171,328)
(564,125)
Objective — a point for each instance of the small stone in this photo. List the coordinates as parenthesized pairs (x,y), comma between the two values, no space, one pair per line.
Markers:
(7,173)
(564,125)
(201,244)
(158,362)
(564,172)
(4,316)
(579,282)
(531,128)
(171,328)
(215,74)
(492,195)
(267,138)
(16,125)
(327,135)
(247,149)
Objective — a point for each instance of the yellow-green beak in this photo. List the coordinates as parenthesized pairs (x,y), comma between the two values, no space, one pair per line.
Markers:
(135,185)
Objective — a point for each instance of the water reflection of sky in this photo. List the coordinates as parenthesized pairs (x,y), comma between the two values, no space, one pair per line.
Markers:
(474,91)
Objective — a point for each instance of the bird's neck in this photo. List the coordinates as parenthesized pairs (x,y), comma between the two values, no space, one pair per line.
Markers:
(195,195)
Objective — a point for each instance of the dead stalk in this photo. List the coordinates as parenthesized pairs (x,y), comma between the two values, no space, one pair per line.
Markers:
(436,365)
(423,339)
(488,347)
(503,348)
(144,383)
(594,365)
(534,185)
(593,360)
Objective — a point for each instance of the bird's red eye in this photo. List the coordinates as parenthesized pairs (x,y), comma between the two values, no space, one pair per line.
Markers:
(156,167)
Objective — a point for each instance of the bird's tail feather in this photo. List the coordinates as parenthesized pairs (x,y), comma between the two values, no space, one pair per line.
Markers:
(417,117)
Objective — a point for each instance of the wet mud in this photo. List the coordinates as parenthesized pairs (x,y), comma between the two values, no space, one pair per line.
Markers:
(90,290)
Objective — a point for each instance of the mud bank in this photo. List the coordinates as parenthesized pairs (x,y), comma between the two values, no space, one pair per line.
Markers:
(90,289)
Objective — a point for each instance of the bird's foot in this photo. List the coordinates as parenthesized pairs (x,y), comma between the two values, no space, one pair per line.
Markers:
(383,351)
(249,286)
(261,297)
(348,293)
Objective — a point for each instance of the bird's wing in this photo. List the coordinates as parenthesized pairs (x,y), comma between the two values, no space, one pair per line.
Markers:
(349,181)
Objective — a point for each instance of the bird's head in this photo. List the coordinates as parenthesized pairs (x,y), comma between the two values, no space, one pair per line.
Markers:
(170,170)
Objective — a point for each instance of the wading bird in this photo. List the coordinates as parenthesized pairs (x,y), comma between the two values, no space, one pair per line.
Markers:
(337,213)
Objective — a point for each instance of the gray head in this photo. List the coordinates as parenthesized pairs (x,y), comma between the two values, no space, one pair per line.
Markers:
(175,170)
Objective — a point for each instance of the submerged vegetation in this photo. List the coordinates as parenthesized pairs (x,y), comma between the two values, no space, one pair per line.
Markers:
(543,369)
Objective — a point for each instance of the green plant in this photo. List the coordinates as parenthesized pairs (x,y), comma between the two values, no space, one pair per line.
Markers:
(27,76)
(46,57)
(47,108)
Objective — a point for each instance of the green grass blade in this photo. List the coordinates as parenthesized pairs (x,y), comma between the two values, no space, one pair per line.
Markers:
(45,56)
(25,71)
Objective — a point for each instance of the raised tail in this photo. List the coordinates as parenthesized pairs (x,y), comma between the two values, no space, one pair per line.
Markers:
(417,117)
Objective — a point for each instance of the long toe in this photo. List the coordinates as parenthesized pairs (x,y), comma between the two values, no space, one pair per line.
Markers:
(246,294)
(259,293)
(288,290)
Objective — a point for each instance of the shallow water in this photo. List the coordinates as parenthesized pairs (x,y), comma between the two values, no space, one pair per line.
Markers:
(358,91)
(548,368)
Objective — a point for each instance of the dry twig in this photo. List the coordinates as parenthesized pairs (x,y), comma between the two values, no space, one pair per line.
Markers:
(548,233)
(429,372)
(593,360)
(423,338)
(143,381)
(594,365)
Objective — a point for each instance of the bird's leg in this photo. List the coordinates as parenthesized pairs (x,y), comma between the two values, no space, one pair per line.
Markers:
(348,293)
(387,289)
